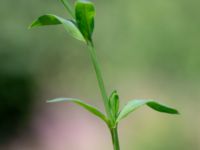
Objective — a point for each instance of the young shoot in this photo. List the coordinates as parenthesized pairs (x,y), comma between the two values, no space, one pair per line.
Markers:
(81,27)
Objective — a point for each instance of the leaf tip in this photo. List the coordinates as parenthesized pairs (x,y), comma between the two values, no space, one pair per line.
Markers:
(30,27)
(176,112)
(33,24)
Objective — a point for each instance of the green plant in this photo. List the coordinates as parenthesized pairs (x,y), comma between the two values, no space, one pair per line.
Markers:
(81,26)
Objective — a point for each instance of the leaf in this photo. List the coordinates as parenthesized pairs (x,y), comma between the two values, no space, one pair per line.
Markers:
(134,104)
(85,12)
(68,7)
(49,19)
(88,107)
(114,103)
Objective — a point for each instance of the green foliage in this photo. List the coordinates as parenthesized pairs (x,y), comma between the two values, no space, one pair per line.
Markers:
(114,104)
(135,104)
(85,13)
(82,28)
(83,25)
(88,107)
(69,25)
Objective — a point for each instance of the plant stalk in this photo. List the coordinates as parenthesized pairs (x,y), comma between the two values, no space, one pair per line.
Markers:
(99,77)
(113,130)
(115,138)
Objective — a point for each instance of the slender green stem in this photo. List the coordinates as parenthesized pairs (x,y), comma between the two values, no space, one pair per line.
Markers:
(115,138)
(68,7)
(113,130)
(99,77)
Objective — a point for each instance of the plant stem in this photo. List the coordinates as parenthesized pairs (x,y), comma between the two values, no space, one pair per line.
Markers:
(115,138)
(113,130)
(99,77)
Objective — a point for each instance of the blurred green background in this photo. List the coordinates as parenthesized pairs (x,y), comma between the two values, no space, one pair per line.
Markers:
(147,49)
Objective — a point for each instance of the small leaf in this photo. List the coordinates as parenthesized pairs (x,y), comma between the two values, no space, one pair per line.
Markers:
(134,104)
(68,7)
(114,103)
(49,19)
(88,107)
(85,12)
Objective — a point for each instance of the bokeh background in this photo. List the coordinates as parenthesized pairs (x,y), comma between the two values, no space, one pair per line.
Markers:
(147,49)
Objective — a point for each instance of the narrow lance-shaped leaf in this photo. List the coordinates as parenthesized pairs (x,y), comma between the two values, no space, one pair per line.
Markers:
(69,25)
(85,12)
(134,104)
(88,107)
(68,7)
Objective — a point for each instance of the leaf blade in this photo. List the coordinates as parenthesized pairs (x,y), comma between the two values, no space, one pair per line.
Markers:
(88,107)
(85,13)
(50,19)
(135,104)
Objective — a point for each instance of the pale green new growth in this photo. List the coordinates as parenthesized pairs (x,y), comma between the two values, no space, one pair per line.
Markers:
(114,104)
(81,27)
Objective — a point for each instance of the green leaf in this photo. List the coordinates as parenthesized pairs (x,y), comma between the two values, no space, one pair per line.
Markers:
(134,104)
(49,19)
(88,107)
(68,7)
(85,12)
(114,103)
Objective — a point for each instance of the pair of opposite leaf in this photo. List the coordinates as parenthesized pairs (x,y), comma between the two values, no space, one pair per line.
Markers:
(81,27)
(117,115)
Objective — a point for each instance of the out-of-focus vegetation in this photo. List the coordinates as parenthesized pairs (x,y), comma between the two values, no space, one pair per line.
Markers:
(16,95)
(148,49)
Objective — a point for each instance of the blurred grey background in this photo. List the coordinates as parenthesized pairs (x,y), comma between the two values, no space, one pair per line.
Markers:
(147,49)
